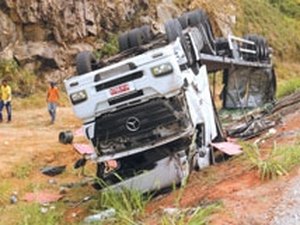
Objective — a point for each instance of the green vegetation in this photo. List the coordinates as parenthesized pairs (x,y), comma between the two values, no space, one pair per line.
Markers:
(22,81)
(5,191)
(290,8)
(276,163)
(200,216)
(276,24)
(129,205)
(288,87)
(22,171)
(111,47)
(33,215)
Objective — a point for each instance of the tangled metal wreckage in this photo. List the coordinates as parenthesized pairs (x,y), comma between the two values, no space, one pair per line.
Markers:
(148,111)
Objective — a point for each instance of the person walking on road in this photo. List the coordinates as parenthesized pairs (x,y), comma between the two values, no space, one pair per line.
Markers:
(5,100)
(52,100)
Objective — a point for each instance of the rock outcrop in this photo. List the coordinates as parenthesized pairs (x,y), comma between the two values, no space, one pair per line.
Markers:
(45,36)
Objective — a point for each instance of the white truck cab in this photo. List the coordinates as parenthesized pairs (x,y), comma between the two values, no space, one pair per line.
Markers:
(150,108)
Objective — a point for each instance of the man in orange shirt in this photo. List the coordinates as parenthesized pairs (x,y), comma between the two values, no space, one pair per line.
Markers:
(52,100)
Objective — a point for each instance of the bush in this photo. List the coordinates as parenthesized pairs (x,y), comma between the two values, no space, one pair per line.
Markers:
(277,163)
(21,81)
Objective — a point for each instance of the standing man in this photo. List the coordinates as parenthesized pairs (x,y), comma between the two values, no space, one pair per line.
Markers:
(6,100)
(52,100)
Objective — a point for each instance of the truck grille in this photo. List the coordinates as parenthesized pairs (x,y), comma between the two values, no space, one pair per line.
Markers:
(131,127)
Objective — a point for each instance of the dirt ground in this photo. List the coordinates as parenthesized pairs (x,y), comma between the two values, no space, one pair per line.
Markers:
(29,143)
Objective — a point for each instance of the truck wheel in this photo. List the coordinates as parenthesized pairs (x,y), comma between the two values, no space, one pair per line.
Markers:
(265,49)
(85,62)
(183,20)
(222,47)
(146,33)
(256,47)
(65,137)
(199,19)
(123,42)
(173,30)
(135,38)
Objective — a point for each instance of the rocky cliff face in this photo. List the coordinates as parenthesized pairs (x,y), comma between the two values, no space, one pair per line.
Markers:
(45,35)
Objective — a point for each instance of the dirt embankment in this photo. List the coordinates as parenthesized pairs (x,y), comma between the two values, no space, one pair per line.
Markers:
(30,143)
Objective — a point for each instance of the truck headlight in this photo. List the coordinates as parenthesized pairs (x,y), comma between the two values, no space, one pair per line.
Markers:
(78,97)
(162,69)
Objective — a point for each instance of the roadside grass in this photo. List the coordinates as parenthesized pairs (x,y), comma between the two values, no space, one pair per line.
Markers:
(22,171)
(128,204)
(5,192)
(288,87)
(197,216)
(32,214)
(279,161)
(281,30)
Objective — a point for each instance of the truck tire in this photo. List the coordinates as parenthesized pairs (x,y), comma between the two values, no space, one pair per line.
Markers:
(265,47)
(147,34)
(123,42)
(66,137)
(222,47)
(261,47)
(85,62)
(173,30)
(183,20)
(198,18)
(256,47)
(135,38)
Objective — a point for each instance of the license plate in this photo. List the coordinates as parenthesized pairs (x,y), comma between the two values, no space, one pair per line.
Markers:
(121,89)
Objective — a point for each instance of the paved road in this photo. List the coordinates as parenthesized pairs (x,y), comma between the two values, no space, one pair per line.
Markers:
(288,210)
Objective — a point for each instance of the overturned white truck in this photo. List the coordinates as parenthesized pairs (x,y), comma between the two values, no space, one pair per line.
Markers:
(150,109)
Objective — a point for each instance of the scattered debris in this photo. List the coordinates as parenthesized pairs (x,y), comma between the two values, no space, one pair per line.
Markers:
(66,137)
(42,197)
(53,170)
(80,163)
(44,210)
(63,190)
(82,183)
(251,128)
(83,149)
(85,199)
(171,211)
(228,147)
(52,181)
(13,198)
(264,137)
(263,119)
(100,216)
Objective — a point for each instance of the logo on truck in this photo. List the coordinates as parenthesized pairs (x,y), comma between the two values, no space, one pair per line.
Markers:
(133,124)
